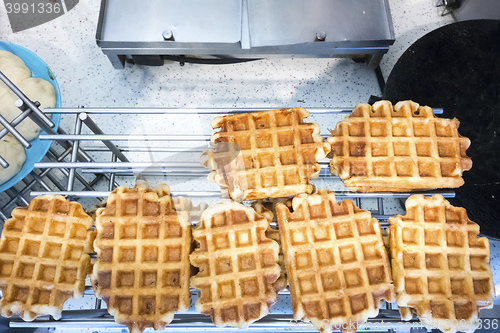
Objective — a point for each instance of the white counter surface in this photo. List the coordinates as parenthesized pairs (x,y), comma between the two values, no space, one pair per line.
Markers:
(87,78)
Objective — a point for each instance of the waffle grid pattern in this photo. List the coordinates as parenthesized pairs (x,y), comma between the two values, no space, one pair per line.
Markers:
(440,268)
(382,148)
(337,265)
(237,265)
(266,154)
(183,204)
(44,257)
(142,269)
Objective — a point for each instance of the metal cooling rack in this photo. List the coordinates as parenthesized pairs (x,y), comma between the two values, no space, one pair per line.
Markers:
(88,172)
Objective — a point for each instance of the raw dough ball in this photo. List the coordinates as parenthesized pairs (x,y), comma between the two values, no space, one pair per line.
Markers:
(13,152)
(37,90)
(14,68)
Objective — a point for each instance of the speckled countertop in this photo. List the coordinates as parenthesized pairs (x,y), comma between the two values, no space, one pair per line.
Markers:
(87,78)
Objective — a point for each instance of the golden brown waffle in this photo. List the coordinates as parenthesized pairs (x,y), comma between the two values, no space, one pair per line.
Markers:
(237,265)
(181,204)
(44,257)
(398,149)
(160,189)
(142,269)
(267,207)
(265,154)
(274,234)
(281,282)
(264,208)
(337,266)
(440,268)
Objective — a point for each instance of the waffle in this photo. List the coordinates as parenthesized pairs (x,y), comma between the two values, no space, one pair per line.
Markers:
(44,257)
(398,149)
(265,154)
(267,207)
(181,204)
(161,189)
(441,269)
(337,266)
(142,269)
(274,234)
(281,283)
(237,265)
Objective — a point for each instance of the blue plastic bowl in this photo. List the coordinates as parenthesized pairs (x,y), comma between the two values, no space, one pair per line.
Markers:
(38,147)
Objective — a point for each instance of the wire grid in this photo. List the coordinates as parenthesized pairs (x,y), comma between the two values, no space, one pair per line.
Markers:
(72,169)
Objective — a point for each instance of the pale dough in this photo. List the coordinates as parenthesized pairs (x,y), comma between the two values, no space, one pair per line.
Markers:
(14,68)
(37,90)
(13,152)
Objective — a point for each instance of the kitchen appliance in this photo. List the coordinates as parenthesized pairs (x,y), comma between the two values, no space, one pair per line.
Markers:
(148,32)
